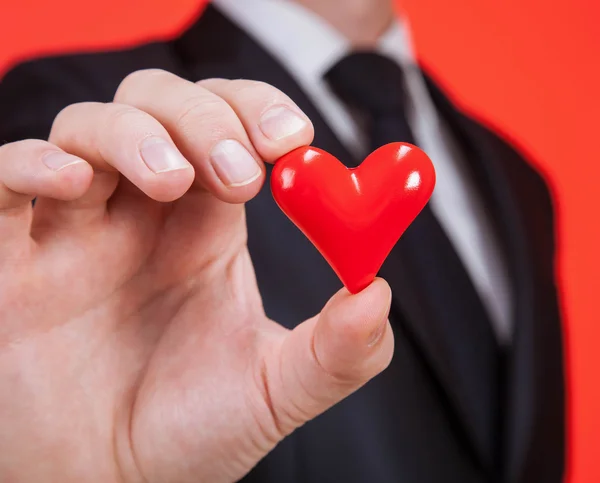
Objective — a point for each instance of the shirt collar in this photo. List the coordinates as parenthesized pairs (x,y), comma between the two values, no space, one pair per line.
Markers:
(302,41)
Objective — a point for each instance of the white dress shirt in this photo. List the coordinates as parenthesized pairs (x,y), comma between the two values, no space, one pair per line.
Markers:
(307,46)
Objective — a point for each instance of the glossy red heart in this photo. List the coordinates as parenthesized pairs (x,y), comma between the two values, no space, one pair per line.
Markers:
(354,216)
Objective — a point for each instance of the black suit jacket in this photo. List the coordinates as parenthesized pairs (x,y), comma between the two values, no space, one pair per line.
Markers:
(424,419)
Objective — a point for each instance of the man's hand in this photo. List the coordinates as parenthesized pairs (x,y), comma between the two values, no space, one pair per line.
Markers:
(133,342)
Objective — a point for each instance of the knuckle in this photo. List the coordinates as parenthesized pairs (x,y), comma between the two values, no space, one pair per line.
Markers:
(120,124)
(69,112)
(121,118)
(213,81)
(344,377)
(21,148)
(209,111)
(258,91)
(131,82)
(252,86)
(337,372)
(123,122)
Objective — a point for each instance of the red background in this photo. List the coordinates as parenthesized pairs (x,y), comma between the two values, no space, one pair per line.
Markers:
(530,69)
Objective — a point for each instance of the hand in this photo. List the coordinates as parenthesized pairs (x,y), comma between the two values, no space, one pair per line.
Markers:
(133,342)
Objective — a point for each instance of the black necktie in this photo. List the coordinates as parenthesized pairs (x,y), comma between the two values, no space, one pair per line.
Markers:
(374,85)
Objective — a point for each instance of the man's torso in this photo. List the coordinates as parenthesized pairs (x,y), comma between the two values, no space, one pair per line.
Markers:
(410,423)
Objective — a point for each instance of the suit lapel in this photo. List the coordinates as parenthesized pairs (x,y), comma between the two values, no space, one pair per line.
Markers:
(465,365)
(533,390)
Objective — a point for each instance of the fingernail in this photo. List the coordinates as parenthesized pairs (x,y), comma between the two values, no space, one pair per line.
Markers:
(280,122)
(160,155)
(234,165)
(377,333)
(57,160)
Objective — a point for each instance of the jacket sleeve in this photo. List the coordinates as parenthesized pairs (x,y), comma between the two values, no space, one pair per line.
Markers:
(34,92)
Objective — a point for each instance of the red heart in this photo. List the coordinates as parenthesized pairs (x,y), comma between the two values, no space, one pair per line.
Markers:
(354,216)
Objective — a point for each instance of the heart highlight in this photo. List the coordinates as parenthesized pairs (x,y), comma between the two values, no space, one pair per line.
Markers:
(354,216)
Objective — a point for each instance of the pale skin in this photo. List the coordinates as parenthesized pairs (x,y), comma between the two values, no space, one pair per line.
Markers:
(133,343)
(361,21)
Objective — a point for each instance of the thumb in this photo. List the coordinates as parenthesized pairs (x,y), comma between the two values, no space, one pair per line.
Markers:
(330,356)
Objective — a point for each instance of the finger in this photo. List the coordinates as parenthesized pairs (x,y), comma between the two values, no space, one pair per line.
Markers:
(30,169)
(275,124)
(328,357)
(205,127)
(119,138)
